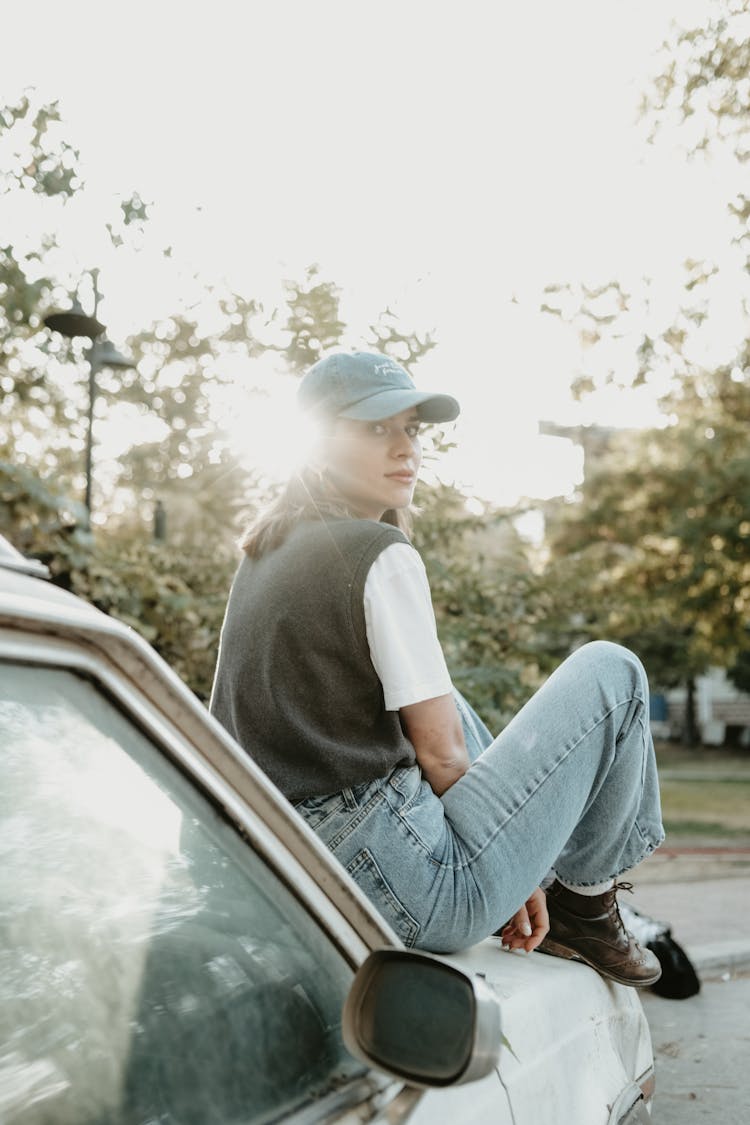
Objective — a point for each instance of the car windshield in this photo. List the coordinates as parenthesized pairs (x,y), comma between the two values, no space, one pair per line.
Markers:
(152,967)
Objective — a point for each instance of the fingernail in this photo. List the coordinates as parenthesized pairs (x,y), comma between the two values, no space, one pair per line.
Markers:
(526,929)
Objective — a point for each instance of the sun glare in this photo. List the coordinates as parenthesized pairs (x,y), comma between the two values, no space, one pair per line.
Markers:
(267,431)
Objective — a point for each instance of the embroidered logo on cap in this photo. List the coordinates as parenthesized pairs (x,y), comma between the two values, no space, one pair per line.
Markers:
(386,369)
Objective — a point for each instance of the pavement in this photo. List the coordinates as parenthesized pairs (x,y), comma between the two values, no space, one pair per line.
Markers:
(700,1044)
(703,893)
(700,1053)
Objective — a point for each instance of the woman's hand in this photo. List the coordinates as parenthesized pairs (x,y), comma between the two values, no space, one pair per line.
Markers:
(528,925)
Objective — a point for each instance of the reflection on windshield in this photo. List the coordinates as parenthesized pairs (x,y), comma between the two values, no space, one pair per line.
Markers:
(151,967)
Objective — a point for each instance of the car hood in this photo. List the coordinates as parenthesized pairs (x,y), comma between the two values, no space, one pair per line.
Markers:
(575,1041)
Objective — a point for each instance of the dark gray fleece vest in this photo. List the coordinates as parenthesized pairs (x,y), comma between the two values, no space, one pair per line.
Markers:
(294,682)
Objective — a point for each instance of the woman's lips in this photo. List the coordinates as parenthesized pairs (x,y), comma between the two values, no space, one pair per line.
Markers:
(405,478)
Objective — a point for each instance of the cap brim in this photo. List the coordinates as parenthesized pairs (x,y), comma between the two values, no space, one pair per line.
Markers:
(430,407)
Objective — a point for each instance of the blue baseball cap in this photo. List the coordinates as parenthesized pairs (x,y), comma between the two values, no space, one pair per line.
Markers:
(368,386)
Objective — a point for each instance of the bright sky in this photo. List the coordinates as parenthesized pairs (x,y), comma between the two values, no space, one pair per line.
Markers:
(445,159)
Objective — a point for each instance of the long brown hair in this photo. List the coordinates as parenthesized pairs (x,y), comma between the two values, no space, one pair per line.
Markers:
(308,494)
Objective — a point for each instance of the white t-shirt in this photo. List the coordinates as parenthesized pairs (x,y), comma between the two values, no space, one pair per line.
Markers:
(401,630)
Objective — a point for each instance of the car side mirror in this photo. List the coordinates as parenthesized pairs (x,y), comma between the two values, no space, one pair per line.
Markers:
(420,1019)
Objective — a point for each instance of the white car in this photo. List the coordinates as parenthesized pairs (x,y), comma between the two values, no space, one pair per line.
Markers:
(177,947)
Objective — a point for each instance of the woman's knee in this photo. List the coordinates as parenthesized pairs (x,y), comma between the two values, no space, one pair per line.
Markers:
(609,660)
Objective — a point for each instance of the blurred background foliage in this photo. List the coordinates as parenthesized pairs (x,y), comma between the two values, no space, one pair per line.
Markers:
(653,549)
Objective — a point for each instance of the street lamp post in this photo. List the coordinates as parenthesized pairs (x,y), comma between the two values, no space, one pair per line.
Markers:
(100,354)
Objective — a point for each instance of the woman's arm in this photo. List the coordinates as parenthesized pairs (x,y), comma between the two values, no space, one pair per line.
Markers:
(407,656)
(434,729)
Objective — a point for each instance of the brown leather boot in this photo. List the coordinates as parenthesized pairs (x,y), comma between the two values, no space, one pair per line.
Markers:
(589,928)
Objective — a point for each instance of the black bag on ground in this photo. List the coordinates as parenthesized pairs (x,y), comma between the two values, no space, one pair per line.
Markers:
(678,979)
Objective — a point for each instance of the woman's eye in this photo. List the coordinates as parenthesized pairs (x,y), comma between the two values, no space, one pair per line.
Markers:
(380,429)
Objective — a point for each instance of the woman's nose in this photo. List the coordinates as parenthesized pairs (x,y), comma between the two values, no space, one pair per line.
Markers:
(402,444)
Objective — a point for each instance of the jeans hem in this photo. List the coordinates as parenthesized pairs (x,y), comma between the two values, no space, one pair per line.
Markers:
(649,848)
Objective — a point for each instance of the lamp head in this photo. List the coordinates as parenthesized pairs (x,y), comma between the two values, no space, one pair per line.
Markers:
(74,322)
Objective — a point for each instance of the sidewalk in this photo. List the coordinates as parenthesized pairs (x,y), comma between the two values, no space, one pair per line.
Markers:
(703,893)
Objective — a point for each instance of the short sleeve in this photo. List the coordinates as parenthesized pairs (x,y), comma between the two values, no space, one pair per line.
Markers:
(401,631)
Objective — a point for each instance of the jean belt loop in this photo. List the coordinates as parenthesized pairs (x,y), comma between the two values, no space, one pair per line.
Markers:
(349,800)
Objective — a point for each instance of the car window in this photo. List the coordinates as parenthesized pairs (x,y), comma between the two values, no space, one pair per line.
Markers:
(152,967)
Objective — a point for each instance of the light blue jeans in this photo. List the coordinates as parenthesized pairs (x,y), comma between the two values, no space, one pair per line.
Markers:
(570,785)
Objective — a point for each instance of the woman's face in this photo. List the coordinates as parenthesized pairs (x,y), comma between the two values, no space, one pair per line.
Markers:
(374,465)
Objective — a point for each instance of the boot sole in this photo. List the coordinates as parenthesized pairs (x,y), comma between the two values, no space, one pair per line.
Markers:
(556,950)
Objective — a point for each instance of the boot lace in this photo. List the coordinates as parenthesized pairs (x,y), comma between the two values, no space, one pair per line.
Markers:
(613,906)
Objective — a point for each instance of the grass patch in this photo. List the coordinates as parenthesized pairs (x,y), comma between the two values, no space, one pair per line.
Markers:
(705,790)
(705,829)
(715,759)
(708,807)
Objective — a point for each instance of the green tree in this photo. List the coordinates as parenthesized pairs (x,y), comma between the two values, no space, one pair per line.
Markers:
(662,530)
(491,605)
(172,597)
(174,592)
(658,534)
(312,323)
(700,83)
(37,162)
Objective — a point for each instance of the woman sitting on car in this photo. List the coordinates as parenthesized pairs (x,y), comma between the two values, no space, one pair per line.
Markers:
(331,676)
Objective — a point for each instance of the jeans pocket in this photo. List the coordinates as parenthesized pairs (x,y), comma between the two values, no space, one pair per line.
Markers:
(369,878)
(418,809)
